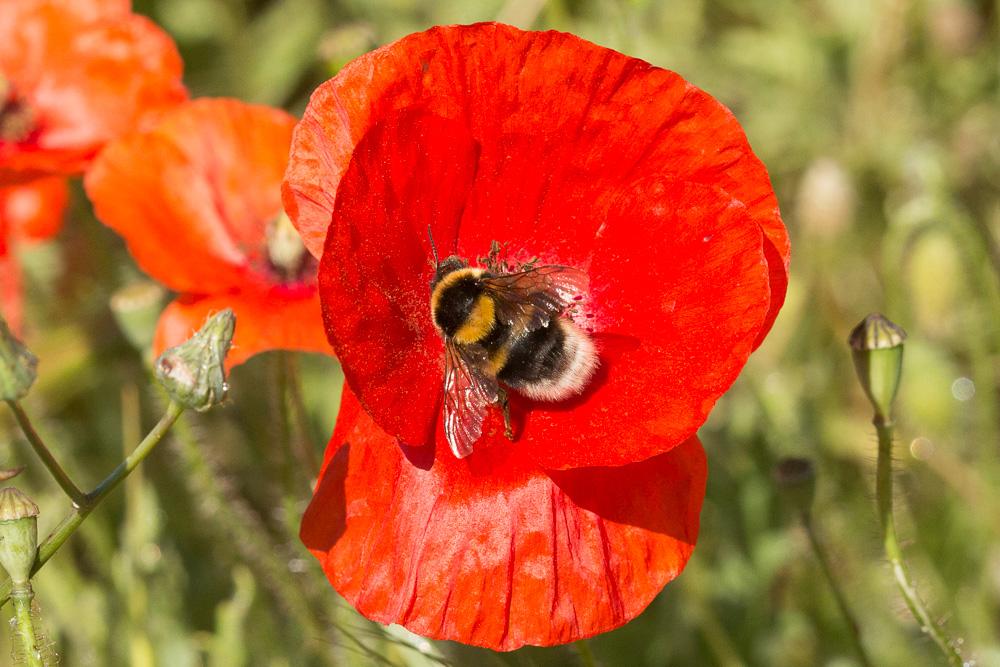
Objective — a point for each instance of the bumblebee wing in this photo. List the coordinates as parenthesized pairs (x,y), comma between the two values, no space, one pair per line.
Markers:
(468,391)
(534,296)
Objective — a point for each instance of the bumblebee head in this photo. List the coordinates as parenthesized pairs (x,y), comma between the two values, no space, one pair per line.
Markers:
(449,265)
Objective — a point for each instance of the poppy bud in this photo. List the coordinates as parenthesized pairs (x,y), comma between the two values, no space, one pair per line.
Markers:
(877,347)
(193,372)
(796,482)
(17,366)
(137,308)
(18,534)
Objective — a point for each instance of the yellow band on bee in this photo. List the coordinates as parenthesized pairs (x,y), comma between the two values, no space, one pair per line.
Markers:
(498,359)
(479,322)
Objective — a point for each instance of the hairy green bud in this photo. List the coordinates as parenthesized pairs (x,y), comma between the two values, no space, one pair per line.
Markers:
(18,366)
(193,373)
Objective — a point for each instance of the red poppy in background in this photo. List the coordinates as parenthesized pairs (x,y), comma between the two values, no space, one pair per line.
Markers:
(28,213)
(73,75)
(576,155)
(197,199)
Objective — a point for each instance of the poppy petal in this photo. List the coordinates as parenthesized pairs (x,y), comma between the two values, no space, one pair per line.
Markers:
(672,335)
(35,210)
(679,292)
(390,353)
(88,72)
(501,556)
(278,319)
(194,195)
(596,118)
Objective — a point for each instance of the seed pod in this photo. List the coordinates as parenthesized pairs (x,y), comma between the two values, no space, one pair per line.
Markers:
(877,347)
(18,534)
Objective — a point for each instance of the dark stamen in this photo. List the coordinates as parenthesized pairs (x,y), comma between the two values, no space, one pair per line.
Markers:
(17,119)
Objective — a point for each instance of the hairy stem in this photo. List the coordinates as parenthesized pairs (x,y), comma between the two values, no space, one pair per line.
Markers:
(24,626)
(883,495)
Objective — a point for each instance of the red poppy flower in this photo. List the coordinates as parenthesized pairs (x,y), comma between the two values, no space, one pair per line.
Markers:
(198,201)
(30,212)
(579,156)
(74,74)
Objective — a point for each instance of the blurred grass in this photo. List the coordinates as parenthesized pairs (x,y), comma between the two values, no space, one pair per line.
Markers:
(880,125)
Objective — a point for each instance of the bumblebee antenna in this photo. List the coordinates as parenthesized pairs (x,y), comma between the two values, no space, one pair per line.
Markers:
(434,250)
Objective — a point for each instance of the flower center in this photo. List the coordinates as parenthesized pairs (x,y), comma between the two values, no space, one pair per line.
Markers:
(17,119)
(286,255)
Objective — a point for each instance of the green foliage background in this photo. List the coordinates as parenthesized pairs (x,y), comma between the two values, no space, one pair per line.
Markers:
(880,124)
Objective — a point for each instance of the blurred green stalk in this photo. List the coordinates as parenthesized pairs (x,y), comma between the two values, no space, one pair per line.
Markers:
(305,451)
(299,462)
(140,649)
(883,496)
(583,650)
(838,593)
(796,481)
(250,538)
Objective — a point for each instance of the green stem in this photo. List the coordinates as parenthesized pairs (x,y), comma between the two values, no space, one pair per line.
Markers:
(286,433)
(71,489)
(139,645)
(713,632)
(89,501)
(883,495)
(24,627)
(304,449)
(845,610)
(714,635)
(587,658)
(137,456)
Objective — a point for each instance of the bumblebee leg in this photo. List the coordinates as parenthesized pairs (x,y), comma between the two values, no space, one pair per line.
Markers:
(505,408)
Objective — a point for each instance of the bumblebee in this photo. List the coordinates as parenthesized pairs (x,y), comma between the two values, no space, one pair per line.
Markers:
(507,327)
